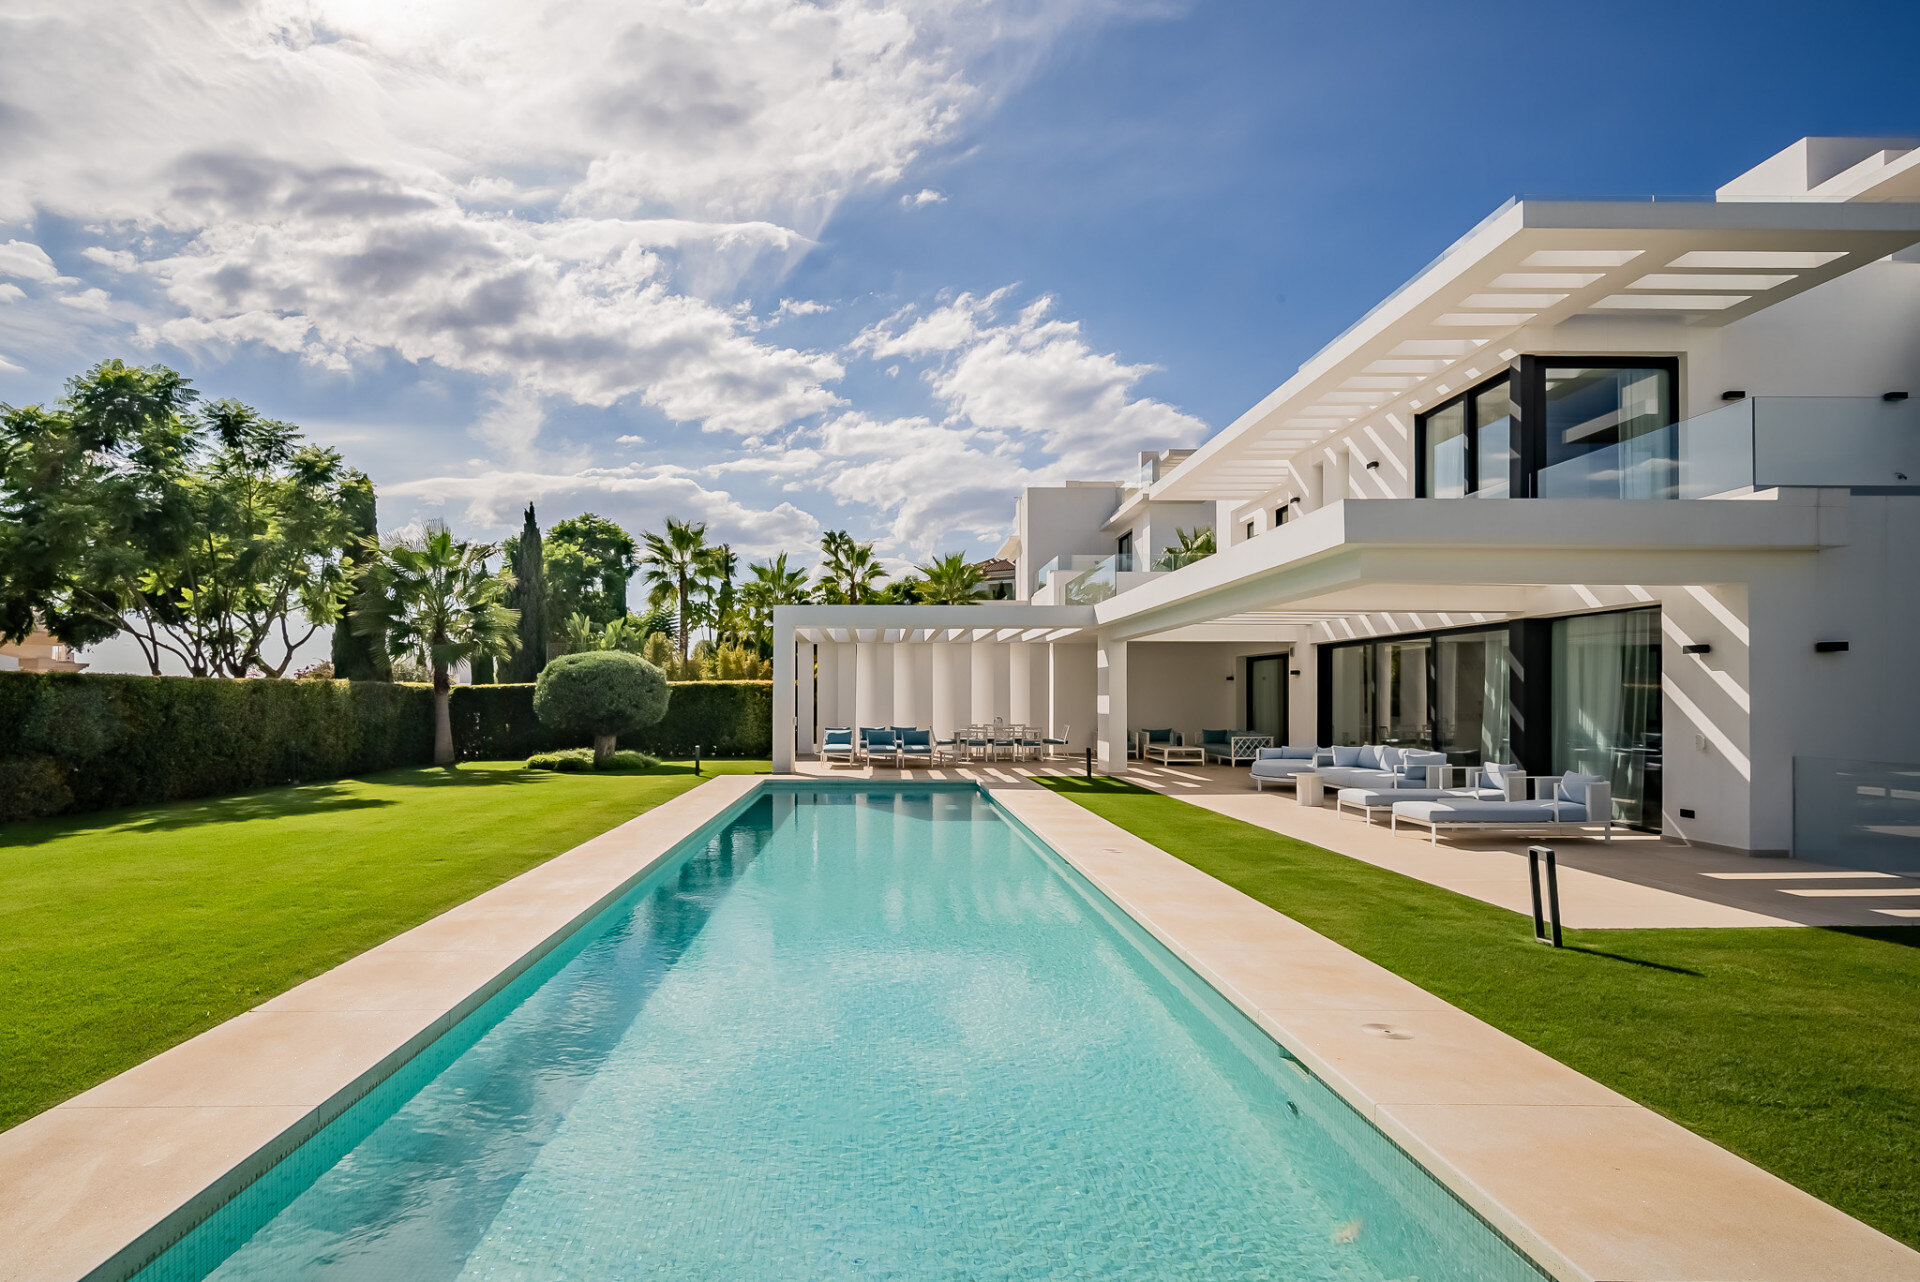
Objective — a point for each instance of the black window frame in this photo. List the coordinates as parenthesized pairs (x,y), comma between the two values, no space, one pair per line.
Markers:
(1280,514)
(1471,431)
(1530,408)
(1526,381)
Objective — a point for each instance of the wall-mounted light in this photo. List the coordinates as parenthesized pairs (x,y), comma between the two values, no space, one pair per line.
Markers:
(1734,394)
(1294,673)
(1373,465)
(1893,396)
(1829,647)
(1699,647)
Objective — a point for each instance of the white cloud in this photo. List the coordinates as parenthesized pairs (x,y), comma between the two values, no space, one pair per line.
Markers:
(925,196)
(800,307)
(89,300)
(25,260)
(10,293)
(1035,378)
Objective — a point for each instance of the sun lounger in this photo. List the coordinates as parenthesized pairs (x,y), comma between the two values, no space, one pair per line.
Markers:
(1560,802)
(1483,783)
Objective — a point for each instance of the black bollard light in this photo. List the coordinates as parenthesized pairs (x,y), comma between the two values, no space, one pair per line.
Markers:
(696,758)
(1089,761)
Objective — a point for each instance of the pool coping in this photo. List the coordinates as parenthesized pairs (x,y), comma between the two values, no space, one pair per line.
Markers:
(1590,1184)
(97,1186)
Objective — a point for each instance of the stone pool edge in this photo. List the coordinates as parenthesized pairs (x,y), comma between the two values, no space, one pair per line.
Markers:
(97,1186)
(1588,1183)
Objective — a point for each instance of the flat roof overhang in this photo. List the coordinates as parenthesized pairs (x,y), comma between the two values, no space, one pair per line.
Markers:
(1470,557)
(891,624)
(1533,264)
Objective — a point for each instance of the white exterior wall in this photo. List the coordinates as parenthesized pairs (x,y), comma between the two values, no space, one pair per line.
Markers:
(1060,520)
(1071,691)
(1185,684)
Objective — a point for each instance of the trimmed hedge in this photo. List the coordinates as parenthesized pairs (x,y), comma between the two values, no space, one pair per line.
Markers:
(73,741)
(723,718)
(85,741)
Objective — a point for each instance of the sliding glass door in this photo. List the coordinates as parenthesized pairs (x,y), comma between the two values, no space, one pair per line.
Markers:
(1447,691)
(1606,706)
(1267,695)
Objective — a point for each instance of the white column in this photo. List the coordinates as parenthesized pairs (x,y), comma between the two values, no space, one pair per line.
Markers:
(1074,700)
(906,702)
(829,686)
(1303,695)
(783,700)
(1110,705)
(803,693)
(873,685)
(922,684)
(848,655)
(952,668)
(989,675)
(1020,683)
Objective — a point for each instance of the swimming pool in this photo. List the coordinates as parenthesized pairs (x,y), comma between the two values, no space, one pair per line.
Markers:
(851,1033)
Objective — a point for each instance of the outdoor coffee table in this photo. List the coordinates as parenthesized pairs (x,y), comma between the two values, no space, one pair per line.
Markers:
(1308,789)
(1168,753)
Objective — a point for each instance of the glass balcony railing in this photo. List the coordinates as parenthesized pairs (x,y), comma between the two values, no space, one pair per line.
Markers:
(1099,581)
(1856,442)
(1075,563)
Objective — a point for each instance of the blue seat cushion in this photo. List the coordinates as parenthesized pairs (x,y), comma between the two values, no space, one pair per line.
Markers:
(1346,756)
(1216,736)
(914,738)
(1159,736)
(1573,786)
(1292,753)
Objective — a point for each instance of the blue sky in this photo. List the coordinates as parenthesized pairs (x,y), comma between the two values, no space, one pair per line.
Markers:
(788,266)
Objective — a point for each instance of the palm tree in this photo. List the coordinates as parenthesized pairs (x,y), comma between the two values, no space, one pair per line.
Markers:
(950,580)
(671,566)
(850,574)
(1192,545)
(719,566)
(771,583)
(435,603)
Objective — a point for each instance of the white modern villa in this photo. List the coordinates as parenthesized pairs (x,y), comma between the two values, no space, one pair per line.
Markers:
(1625,487)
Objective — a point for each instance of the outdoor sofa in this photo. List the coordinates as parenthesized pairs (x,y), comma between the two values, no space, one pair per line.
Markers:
(1494,781)
(1559,803)
(1377,765)
(1280,765)
(1232,746)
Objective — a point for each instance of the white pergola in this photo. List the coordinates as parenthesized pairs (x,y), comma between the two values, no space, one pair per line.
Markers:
(938,665)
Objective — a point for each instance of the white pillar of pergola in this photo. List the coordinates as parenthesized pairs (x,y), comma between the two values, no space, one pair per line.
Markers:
(1110,703)
(936,665)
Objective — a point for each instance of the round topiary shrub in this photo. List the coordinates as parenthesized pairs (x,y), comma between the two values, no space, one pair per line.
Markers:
(600,694)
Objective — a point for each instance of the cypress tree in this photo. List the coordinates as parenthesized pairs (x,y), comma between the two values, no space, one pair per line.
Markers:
(530,598)
(357,657)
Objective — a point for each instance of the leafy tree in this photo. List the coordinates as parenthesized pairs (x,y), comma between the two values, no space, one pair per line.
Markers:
(770,583)
(526,567)
(204,536)
(718,568)
(950,580)
(588,560)
(91,493)
(849,574)
(1190,546)
(435,603)
(272,523)
(673,566)
(601,694)
(356,656)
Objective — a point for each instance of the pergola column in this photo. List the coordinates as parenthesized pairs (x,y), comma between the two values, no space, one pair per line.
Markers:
(873,685)
(989,681)
(803,693)
(906,689)
(1110,705)
(829,687)
(952,698)
(783,695)
(849,660)
(1020,683)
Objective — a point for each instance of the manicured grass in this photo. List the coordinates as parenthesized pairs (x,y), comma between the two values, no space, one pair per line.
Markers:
(124,933)
(1797,1048)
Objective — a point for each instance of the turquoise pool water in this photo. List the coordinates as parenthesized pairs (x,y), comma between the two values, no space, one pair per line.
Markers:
(853,1034)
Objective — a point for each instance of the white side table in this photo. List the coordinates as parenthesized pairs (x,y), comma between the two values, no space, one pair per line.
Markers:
(1307,789)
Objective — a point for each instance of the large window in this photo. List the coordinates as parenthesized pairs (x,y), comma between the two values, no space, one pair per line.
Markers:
(1445,690)
(1606,706)
(1465,446)
(1555,427)
(1606,429)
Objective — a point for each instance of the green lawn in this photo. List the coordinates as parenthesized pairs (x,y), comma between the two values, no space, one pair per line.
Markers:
(124,933)
(1797,1048)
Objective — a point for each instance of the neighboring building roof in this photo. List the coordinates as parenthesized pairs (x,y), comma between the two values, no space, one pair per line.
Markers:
(994,569)
(41,653)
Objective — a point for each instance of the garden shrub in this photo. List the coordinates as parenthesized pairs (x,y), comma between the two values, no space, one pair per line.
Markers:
(32,788)
(721,718)
(580,761)
(601,695)
(128,740)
